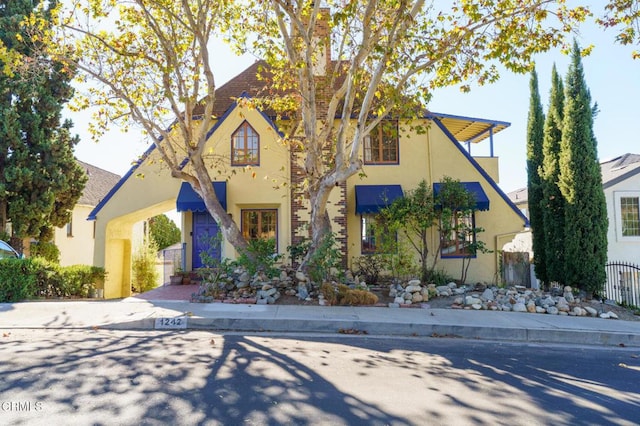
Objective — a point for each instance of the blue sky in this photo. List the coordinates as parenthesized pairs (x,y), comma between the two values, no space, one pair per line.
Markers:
(612,75)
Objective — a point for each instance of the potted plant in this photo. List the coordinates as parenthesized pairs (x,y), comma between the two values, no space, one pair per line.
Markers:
(176,277)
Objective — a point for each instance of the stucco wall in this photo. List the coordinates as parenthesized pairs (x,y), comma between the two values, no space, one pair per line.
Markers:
(431,157)
(150,190)
(76,249)
(626,249)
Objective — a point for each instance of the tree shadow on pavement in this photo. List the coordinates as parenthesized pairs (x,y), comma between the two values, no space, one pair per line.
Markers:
(197,377)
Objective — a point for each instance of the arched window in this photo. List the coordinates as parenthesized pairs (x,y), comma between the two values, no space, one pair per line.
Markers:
(245,146)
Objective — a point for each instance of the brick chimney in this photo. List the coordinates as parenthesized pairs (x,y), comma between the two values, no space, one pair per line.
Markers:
(322,43)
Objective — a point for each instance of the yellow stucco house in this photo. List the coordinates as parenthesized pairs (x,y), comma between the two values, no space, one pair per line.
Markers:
(248,140)
(76,239)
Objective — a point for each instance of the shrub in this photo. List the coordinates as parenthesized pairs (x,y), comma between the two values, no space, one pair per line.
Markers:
(343,295)
(143,266)
(439,277)
(371,266)
(46,250)
(22,279)
(260,256)
(79,280)
(326,256)
(17,283)
(359,297)
(298,251)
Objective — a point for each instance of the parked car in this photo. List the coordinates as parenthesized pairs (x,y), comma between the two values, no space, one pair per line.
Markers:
(7,252)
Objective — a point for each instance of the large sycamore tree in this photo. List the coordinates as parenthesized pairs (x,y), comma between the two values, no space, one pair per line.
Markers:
(150,62)
(390,56)
(623,16)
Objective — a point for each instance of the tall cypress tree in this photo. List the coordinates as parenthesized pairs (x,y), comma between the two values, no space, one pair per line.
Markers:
(553,200)
(535,124)
(40,180)
(581,185)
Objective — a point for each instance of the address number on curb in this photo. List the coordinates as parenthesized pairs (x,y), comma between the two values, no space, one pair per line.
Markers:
(171,323)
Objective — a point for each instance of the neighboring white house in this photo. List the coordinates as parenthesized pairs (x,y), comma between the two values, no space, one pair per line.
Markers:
(621,185)
(76,239)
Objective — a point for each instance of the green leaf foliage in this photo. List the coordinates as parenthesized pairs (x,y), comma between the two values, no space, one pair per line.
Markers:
(164,231)
(35,277)
(143,266)
(41,180)
(45,249)
(552,202)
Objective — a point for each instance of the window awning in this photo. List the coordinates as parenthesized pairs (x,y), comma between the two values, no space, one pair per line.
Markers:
(373,198)
(482,201)
(189,200)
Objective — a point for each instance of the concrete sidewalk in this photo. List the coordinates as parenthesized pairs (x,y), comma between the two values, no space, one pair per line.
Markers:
(136,313)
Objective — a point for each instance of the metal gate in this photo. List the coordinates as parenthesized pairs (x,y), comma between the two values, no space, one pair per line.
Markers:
(623,283)
(172,259)
(516,269)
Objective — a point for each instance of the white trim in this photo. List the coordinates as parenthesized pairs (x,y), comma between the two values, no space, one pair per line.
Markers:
(617,195)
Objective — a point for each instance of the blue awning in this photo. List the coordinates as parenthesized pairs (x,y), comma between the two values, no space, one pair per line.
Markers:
(482,201)
(373,198)
(189,200)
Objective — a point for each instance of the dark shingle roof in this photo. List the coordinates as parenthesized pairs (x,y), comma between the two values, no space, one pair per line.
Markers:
(245,82)
(98,185)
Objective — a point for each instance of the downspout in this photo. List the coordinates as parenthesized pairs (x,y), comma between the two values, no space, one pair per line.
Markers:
(432,243)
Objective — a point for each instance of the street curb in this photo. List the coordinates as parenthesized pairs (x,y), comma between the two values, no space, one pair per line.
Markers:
(557,336)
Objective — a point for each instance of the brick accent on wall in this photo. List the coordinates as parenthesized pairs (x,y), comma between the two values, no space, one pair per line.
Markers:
(300,208)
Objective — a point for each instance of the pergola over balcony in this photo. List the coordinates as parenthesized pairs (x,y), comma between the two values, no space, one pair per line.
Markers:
(470,130)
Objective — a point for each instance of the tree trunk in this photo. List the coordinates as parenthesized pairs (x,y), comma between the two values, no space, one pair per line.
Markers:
(319,222)
(228,227)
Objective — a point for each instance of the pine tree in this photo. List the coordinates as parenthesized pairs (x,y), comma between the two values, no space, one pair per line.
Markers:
(535,126)
(581,184)
(40,181)
(553,200)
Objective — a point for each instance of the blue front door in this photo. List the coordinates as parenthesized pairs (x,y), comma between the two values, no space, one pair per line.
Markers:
(206,238)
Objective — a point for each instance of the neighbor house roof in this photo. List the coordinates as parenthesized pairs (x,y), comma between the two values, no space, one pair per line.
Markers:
(619,169)
(519,196)
(614,171)
(98,185)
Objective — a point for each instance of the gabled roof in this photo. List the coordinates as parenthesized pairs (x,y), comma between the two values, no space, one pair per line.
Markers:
(248,84)
(464,129)
(482,172)
(98,185)
(619,169)
(120,182)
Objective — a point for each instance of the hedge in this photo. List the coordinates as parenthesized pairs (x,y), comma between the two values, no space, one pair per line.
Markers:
(32,278)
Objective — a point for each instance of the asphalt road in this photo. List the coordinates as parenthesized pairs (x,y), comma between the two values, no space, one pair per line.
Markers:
(195,377)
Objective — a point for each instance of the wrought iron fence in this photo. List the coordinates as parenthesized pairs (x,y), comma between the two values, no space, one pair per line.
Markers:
(623,283)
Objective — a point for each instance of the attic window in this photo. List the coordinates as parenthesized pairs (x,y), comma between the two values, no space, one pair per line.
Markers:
(245,146)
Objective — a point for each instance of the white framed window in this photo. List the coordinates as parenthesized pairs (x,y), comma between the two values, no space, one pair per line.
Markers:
(627,215)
